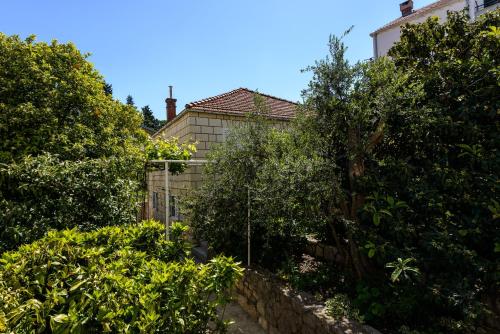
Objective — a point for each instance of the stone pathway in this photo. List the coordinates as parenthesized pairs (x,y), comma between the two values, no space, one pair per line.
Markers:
(243,324)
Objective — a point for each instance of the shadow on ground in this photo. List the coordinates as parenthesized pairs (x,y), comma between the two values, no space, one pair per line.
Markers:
(243,324)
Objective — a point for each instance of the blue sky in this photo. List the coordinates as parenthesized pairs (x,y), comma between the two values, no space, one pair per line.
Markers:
(201,47)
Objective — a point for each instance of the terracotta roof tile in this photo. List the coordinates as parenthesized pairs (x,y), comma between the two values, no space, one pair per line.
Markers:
(241,101)
(419,12)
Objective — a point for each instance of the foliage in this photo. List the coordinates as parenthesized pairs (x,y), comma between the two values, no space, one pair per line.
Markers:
(116,279)
(41,193)
(262,161)
(398,158)
(53,100)
(414,147)
(339,306)
(149,120)
(70,155)
(170,149)
(108,88)
(130,101)
(402,267)
(311,275)
(348,105)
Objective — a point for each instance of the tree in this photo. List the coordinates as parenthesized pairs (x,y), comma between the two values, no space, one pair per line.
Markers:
(412,143)
(59,107)
(108,89)
(149,120)
(130,101)
(348,109)
(70,155)
(269,165)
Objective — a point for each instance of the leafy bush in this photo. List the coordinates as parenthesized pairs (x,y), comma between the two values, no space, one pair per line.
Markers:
(42,193)
(116,279)
(311,275)
(339,306)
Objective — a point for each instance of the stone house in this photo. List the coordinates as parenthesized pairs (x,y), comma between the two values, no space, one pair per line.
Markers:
(206,122)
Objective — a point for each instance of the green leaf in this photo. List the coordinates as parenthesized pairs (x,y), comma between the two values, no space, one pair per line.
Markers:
(77,285)
(60,318)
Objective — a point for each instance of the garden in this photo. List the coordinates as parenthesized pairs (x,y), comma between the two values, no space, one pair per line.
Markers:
(392,166)
(74,259)
(380,199)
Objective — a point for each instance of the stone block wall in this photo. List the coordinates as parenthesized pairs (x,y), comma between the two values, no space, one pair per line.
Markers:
(322,251)
(282,311)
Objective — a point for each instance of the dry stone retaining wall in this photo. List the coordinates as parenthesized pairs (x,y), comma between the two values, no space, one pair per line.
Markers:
(322,251)
(281,311)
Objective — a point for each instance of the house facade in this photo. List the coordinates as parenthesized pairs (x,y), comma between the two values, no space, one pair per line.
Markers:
(207,123)
(385,37)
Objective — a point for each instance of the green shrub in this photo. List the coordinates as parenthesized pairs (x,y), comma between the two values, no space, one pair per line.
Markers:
(340,306)
(42,193)
(160,149)
(309,274)
(116,279)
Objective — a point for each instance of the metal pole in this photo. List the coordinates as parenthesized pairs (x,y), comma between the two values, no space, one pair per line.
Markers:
(167,204)
(248,228)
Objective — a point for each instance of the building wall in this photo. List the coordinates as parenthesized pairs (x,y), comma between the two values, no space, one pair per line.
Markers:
(482,10)
(385,39)
(206,129)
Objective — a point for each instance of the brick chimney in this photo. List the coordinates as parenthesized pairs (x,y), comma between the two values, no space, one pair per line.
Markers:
(170,106)
(406,8)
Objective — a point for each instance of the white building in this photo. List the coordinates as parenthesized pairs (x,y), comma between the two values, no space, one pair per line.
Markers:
(385,37)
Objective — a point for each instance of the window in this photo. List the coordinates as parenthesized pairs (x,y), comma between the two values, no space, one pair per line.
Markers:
(173,208)
(156,206)
(155,200)
(488,3)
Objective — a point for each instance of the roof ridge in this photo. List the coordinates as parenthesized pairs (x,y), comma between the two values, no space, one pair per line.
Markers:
(212,98)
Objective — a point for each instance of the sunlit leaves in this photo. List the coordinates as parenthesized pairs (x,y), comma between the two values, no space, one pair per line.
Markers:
(116,279)
(402,267)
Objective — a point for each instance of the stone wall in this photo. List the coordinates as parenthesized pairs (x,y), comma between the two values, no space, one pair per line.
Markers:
(282,311)
(322,251)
